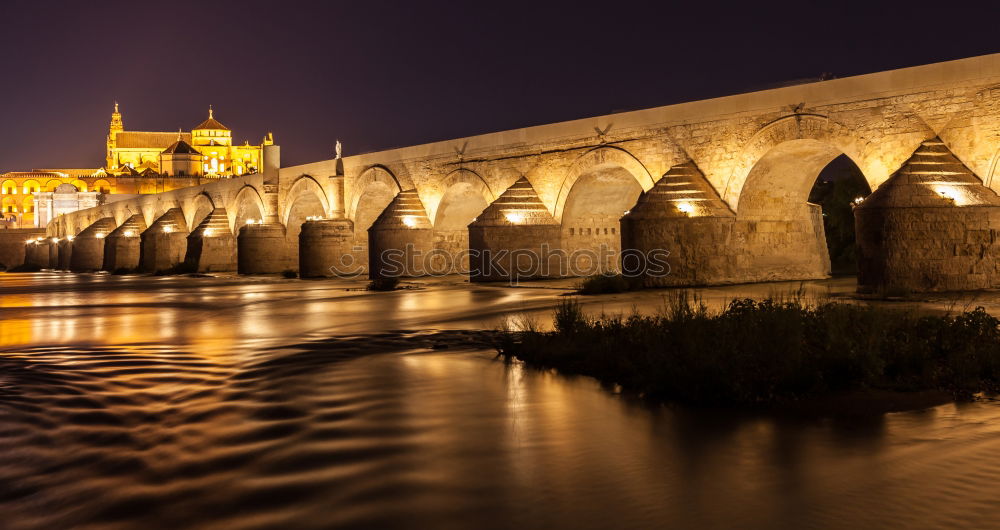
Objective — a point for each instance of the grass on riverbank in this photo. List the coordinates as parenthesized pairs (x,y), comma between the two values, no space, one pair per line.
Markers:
(770,351)
(608,283)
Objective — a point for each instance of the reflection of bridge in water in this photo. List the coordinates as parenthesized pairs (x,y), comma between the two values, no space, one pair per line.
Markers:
(722,184)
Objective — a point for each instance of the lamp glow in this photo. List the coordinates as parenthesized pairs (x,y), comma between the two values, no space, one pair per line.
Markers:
(168,229)
(514,217)
(951,193)
(409,221)
(129,233)
(686,207)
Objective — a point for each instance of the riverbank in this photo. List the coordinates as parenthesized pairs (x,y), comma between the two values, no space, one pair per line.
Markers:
(773,353)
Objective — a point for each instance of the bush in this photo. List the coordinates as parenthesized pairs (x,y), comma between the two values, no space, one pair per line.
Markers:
(608,283)
(766,351)
(383,284)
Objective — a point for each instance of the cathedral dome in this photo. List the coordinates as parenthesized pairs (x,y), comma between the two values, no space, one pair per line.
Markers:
(211,124)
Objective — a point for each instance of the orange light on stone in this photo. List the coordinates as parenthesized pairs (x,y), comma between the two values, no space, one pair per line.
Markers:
(514,217)
(951,192)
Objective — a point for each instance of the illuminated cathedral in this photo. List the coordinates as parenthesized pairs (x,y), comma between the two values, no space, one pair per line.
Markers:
(140,153)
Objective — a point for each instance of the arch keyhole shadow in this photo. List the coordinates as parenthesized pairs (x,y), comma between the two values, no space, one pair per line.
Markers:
(783,233)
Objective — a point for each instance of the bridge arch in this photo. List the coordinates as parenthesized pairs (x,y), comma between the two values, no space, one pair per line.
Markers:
(122,211)
(197,208)
(598,189)
(818,128)
(246,205)
(464,195)
(306,198)
(784,234)
(372,192)
(992,177)
(607,159)
(156,206)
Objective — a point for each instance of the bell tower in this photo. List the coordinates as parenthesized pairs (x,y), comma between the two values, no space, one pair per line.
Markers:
(113,130)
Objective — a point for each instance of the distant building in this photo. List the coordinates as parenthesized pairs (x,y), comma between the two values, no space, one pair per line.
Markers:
(136,162)
(138,152)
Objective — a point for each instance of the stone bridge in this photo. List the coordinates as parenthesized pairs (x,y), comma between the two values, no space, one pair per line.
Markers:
(722,184)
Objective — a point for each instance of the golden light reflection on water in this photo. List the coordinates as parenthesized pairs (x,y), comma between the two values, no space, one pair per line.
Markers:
(196,400)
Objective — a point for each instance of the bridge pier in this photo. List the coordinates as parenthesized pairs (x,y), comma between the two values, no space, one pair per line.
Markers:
(262,249)
(679,233)
(326,249)
(122,247)
(53,247)
(65,252)
(88,246)
(211,246)
(400,240)
(37,253)
(515,238)
(931,227)
(164,243)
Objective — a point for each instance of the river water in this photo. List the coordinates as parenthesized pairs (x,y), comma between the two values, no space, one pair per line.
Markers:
(248,403)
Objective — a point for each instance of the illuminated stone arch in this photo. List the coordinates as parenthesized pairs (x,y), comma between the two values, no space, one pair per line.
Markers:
(604,159)
(79,185)
(828,138)
(305,189)
(463,192)
(246,205)
(156,206)
(122,211)
(197,208)
(992,177)
(372,191)
(8,187)
(51,185)
(31,186)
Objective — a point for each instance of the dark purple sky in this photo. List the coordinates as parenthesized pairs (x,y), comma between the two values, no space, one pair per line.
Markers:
(380,75)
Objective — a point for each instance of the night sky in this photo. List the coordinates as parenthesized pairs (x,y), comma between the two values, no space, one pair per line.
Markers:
(380,75)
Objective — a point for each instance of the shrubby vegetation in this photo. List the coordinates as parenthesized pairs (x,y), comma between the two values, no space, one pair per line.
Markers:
(757,352)
(384,284)
(608,283)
